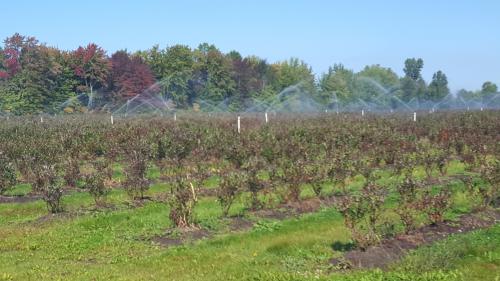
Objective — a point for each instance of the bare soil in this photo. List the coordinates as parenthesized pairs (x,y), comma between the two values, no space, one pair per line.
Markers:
(19,199)
(240,224)
(295,209)
(176,237)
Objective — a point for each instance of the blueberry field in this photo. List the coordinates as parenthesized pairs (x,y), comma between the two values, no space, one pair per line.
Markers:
(320,196)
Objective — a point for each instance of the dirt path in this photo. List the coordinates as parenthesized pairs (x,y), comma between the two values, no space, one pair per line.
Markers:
(19,199)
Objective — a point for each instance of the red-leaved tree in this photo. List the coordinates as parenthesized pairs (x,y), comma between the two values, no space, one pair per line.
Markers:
(91,66)
(14,54)
(129,75)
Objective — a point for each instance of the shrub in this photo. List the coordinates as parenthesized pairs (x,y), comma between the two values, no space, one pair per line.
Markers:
(136,183)
(94,182)
(435,205)
(48,182)
(340,170)
(316,177)
(292,176)
(230,187)
(405,164)
(427,156)
(182,201)
(361,213)
(72,171)
(254,184)
(408,207)
(7,174)
(490,172)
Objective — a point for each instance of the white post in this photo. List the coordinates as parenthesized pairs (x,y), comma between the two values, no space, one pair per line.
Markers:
(414,117)
(265,114)
(41,119)
(362,112)
(239,125)
(112,121)
(175,116)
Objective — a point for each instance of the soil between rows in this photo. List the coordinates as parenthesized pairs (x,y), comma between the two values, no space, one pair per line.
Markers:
(391,250)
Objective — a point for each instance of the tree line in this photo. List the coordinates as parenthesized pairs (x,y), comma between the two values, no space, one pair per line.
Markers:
(38,78)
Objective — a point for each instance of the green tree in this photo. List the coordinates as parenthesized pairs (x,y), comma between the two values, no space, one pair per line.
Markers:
(468,95)
(489,88)
(179,64)
(438,88)
(337,84)
(155,58)
(377,84)
(382,75)
(488,91)
(173,67)
(42,82)
(412,84)
(212,77)
(413,68)
(292,72)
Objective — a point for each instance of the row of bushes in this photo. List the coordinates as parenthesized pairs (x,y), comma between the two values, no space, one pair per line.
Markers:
(276,158)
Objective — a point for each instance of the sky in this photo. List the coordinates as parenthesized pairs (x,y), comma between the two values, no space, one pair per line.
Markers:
(461,38)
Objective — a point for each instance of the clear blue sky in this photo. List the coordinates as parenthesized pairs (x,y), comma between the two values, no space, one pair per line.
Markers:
(461,38)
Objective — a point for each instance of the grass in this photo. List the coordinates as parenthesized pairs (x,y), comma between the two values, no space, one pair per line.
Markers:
(115,244)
